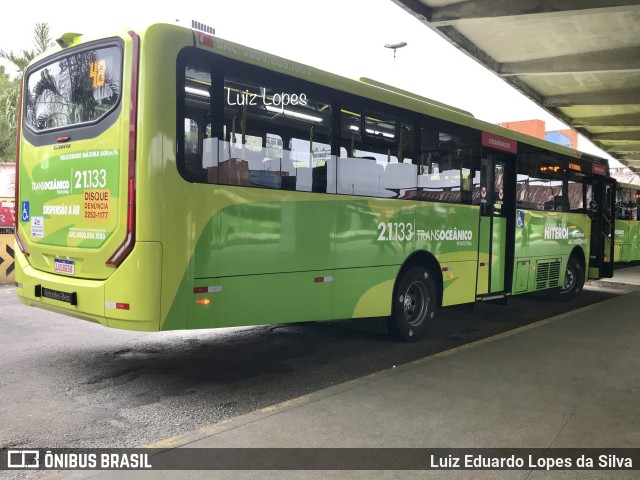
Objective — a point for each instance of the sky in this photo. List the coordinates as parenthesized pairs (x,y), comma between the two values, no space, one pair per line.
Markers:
(345,37)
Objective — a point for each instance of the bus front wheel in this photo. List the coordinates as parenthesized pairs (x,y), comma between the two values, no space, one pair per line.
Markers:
(414,304)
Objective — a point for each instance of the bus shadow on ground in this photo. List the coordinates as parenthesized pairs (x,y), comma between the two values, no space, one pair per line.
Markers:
(230,356)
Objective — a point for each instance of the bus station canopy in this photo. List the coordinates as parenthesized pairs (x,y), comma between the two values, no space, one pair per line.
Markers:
(579,60)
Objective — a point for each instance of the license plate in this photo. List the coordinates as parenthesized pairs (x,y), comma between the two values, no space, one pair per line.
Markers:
(71,298)
(64,266)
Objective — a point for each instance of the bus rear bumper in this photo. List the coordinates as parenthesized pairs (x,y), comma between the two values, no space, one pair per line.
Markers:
(120,301)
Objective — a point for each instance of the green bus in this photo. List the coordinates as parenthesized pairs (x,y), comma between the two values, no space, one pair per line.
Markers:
(627,229)
(170,179)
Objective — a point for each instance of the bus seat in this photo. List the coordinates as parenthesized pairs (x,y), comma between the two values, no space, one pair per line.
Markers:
(359,176)
(286,164)
(330,171)
(304,179)
(397,177)
(271,165)
(254,158)
(209,152)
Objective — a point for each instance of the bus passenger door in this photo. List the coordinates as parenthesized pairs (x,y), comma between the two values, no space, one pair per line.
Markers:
(602,212)
(497,212)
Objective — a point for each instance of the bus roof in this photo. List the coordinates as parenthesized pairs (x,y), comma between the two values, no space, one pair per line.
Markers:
(412,95)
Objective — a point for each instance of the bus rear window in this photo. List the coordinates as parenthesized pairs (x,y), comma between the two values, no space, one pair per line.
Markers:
(74,89)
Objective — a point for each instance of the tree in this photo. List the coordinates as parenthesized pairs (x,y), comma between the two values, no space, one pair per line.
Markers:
(9,89)
(42,38)
(8,101)
(41,41)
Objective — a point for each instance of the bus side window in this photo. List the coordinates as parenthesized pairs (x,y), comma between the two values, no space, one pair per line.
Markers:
(193,149)
(626,204)
(378,163)
(445,167)
(575,193)
(543,183)
(194,123)
(276,129)
(535,188)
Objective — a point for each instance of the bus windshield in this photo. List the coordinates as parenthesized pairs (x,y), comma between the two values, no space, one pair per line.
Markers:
(74,89)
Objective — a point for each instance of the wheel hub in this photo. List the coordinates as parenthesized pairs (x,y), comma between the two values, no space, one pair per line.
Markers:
(569,279)
(415,303)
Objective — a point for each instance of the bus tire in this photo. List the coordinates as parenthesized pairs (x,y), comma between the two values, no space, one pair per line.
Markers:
(414,304)
(573,280)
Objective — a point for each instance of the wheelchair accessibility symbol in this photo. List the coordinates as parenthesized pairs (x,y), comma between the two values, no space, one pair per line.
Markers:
(520,219)
(25,211)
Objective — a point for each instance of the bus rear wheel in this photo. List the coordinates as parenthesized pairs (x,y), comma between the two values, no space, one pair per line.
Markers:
(573,280)
(414,305)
